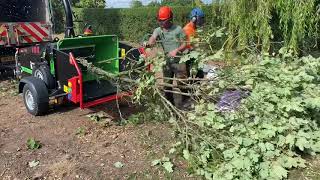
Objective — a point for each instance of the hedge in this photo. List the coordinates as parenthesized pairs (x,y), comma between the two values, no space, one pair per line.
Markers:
(132,24)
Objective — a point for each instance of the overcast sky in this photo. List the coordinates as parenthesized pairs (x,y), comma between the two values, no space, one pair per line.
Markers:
(126,3)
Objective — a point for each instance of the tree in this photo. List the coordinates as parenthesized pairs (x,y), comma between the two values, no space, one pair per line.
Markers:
(259,22)
(91,4)
(58,16)
(136,4)
(154,4)
(74,2)
(199,3)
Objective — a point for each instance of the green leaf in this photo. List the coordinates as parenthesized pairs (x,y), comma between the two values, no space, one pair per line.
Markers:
(279,172)
(118,164)
(243,151)
(254,157)
(168,166)
(247,142)
(165,159)
(290,139)
(221,146)
(172,120)
(155,162)
(33,163)
(80,131)
(264,170)
(269,146)
(33,144)
(208,175)
(302,143)
(241,163)
(177,144)
(262,147)
(172,150)
(186,154)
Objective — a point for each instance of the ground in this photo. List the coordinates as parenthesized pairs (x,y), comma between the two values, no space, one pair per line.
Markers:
(75,147)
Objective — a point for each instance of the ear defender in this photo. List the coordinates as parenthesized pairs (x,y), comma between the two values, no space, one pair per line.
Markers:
(194,19)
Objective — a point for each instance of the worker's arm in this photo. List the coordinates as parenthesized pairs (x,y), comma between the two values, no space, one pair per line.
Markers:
(153,39)
(181,48)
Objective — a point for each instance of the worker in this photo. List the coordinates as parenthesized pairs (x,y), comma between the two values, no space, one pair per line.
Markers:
(196,20)
(173,41)
(88,31)
(190,29)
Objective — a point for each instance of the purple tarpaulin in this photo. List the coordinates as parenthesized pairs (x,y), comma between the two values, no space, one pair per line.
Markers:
(230,100)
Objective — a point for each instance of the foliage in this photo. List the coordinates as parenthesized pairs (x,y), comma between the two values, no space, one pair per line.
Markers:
(136,4)
(154,4)
(132,24)
(33,144)
(257,23)
(264,138)
(101,117)
(91,4)
(165,163)
(81,131)
(176,2)
(58,16)
(197,3)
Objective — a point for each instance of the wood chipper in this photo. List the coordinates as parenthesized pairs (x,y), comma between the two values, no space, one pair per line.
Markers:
(57,76)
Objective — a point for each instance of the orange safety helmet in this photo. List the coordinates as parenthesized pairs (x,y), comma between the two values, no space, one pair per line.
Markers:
(165,13)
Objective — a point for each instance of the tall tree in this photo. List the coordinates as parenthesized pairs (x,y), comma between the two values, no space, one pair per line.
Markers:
(136,4)
(154,4)
(258,22)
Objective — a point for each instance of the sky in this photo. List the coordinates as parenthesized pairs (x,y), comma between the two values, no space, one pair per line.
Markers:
(126,3)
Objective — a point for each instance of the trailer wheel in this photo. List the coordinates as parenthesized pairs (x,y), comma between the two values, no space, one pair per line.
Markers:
(43,73)
(35,104)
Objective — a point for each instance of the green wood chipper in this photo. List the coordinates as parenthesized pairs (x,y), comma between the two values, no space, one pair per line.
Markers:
(52,74)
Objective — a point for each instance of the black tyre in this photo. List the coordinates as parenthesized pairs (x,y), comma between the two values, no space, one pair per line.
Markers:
(35,102)
(43,73)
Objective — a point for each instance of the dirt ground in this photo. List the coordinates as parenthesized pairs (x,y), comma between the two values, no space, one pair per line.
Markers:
(75,147)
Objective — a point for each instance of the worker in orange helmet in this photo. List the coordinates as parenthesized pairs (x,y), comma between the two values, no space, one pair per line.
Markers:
(88,30)
(173,41)
(190,29)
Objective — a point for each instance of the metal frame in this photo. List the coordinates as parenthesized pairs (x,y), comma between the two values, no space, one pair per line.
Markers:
(95,102)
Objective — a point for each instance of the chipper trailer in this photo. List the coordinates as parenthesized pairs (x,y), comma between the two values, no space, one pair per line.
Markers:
(51,74)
